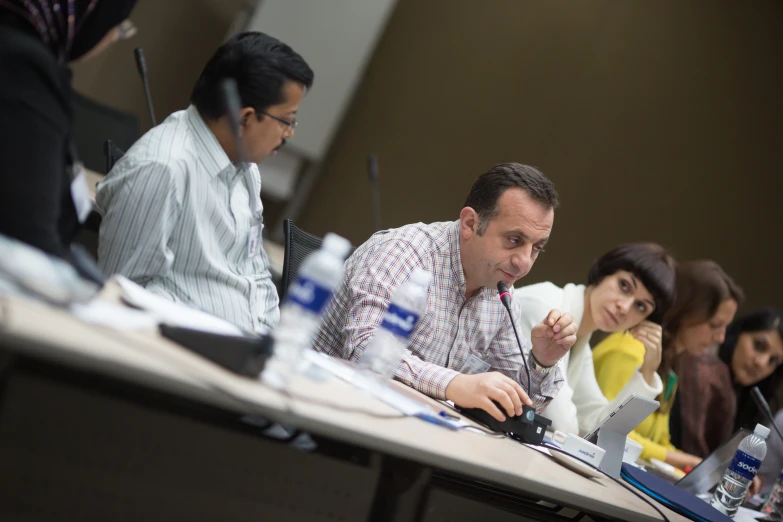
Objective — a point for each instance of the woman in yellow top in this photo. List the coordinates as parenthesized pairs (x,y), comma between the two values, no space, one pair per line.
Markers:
(706,302)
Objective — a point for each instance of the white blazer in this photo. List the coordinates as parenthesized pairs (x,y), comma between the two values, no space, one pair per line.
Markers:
(579,405)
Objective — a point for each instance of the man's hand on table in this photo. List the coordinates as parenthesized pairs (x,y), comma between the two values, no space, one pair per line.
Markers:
(479,390)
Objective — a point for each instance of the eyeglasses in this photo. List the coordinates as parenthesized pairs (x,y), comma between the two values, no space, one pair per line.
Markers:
(288,123)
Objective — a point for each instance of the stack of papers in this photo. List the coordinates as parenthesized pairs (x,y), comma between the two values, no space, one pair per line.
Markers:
(376,387)
(172,313)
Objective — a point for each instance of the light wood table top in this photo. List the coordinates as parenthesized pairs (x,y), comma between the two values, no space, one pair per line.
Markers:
(147,359)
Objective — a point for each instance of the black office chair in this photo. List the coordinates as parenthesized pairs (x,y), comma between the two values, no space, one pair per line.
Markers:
(298,245)
(92,224)
(93,124)
(112,153)
(88,235)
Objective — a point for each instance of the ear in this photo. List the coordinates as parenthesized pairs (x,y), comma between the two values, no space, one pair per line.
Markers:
(247,114)
(468,222)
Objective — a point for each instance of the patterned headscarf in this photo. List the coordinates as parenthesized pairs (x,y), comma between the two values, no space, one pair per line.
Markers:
(70,28)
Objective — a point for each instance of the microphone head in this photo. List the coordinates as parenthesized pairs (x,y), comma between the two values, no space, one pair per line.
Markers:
(141,63)
(505,296)
(758,397)
(232,107)
(372,166)
(231,103)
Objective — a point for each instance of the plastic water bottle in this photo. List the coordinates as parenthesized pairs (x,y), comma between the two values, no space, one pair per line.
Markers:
(388,345)
(741,472)
(774,504)
(301,314)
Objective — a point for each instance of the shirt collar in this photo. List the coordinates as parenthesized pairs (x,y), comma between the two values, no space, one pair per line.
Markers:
(456,257)
(574,301)
(213,157)
(456,265)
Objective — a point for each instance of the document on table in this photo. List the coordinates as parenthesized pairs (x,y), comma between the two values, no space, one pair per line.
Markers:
(175,314)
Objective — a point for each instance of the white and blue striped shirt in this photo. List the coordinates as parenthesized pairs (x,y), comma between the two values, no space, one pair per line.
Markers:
(177,219)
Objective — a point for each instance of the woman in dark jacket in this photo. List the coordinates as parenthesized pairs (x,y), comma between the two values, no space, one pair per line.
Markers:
(39,182)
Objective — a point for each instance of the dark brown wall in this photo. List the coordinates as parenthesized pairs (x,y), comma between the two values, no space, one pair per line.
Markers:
(178,37)
(656,120)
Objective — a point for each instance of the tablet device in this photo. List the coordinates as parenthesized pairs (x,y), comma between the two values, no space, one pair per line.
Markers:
(625,417)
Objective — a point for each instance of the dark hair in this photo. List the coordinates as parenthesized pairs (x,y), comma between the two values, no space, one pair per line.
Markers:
(260,64)
(650,262)
(487,189)
(701,288)
(768,318)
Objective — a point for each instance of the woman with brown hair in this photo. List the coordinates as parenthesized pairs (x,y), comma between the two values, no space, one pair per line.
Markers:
(707,300)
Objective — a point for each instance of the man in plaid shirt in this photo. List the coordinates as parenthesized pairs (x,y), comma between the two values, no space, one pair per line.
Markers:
(463,348)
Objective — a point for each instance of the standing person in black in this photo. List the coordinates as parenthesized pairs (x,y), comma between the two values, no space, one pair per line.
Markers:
(38,39)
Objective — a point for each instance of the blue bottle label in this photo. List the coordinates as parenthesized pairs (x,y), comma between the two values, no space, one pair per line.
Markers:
(745,465)
(309,295)
(399,321)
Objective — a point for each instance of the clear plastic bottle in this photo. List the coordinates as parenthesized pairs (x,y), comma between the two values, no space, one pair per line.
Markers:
(301,314)
(741,472)
(388,345)
(774,504)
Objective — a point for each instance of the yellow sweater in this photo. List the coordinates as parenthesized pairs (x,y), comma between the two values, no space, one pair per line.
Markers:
(616,359)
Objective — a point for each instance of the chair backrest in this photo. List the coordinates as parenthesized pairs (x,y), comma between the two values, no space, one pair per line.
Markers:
(94,123)
(112,153)
(298,245)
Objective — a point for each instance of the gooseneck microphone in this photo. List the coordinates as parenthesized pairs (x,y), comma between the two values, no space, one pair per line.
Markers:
(505,298)
(232,107)
(763,405)
(372,167)
(141,65)
(529,427)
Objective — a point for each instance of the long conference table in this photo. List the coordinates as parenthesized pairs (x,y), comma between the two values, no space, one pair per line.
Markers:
(99,423)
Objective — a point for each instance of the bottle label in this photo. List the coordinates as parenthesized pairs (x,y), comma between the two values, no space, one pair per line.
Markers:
(745,465)
(399,321)
(309,295)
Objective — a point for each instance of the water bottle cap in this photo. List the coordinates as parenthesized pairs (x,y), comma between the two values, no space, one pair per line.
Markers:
(762,431)
(337,245)
(421,277)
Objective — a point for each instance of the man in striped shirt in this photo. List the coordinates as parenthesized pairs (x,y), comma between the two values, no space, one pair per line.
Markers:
(463,348)
(182,216)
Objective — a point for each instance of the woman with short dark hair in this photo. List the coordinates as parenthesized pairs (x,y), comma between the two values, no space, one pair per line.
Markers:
(707,300)
(628,288)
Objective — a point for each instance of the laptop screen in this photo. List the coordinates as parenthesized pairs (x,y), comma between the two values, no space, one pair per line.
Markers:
(708,473)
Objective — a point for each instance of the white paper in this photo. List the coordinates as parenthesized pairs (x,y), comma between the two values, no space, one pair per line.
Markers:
(540,449)
(174,314)
(80,193)
(115,316)
(379,389)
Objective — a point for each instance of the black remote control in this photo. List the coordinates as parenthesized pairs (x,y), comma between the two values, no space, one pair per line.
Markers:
(529,427)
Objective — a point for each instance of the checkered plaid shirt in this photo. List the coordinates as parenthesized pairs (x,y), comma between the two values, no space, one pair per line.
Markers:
(451,328)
